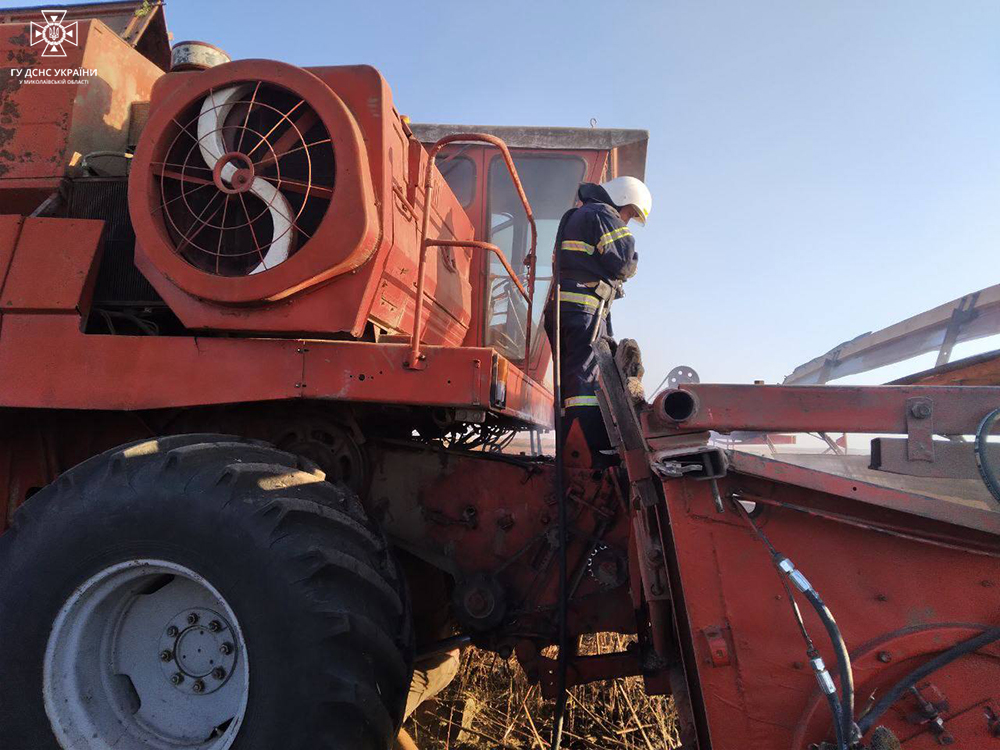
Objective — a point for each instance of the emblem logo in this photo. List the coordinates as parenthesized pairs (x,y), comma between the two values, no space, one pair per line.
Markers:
(54,33)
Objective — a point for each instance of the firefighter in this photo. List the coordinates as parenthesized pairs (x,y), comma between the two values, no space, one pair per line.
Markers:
(596,256)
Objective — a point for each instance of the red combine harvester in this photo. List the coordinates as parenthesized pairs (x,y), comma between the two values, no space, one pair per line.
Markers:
(262,344)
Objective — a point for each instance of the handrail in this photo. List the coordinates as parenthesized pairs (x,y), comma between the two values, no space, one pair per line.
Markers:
(416,357)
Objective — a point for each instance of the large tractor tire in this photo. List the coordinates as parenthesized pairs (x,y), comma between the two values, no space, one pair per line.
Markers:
(199,592)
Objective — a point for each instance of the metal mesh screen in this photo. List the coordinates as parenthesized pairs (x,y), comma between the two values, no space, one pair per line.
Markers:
(119,282)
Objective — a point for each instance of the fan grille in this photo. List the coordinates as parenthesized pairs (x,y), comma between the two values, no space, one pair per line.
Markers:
(246,179)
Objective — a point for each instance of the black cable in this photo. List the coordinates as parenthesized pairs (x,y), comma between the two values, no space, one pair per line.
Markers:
(562,665)
(796,612)
(943,659)
(843,720)
(986,471)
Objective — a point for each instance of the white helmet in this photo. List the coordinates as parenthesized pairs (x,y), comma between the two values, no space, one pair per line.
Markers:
(630,191)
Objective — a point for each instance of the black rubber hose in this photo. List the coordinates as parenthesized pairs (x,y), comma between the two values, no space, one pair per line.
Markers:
(562,665)
(986,471)
(838,720)
(843,727)
(943,659)
(843,663)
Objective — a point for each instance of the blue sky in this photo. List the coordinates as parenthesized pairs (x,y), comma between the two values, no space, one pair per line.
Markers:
(820,168)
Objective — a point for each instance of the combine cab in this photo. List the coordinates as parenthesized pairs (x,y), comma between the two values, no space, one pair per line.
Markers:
(263,343)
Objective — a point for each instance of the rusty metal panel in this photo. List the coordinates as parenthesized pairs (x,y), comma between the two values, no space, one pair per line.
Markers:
(962,504)
(979,369)
(970,317)
(362,371)
(897,598)
(951,459)
(527,399)
(47,127)
(54,266)
(46,361)
(140,24)
(10,230)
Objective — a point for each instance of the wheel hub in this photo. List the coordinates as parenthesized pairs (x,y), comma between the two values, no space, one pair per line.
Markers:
(197,651)
(165,665)
(242,169)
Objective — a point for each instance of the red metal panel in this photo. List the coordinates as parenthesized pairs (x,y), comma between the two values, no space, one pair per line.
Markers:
(10,230)
(478,516)
(52,126)
(877,586)
(47,362)
(359,371)
(972,514)
(54,266)
(527,399)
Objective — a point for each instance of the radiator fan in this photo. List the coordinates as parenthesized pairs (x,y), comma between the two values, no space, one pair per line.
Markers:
(246,180)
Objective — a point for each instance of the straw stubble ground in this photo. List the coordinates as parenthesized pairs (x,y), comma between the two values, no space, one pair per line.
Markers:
(490,706)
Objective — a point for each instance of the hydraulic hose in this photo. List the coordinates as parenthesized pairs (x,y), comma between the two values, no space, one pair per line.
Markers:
(842,708)
(943,659)
(562,664)
(838,716)
(836,640)
(986,470)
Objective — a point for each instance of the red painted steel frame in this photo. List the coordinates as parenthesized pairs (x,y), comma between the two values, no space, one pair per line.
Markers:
(906,575)
(347,237)
(425,242)
(47,362)
(359,268)
(882,588)
(865,409)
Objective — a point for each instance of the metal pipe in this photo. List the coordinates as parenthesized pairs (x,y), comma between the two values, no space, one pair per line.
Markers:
(415,356)
(675,405)
(562,666)
(957,410)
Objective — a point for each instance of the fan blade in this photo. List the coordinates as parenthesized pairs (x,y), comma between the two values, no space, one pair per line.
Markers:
(214,111)
(281,212)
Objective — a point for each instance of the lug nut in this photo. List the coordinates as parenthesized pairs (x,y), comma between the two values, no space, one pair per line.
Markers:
(219,673)
(198,687)
(226,649)
(172,631)
(166,656)
(176,678)
(192,618)
(215,626)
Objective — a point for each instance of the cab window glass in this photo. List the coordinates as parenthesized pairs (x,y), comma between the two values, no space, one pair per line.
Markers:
(460,174)
(550,183)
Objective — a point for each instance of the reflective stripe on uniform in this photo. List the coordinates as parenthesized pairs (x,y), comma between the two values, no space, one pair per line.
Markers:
(580,299)
(580,401)
(577,247)
(615,234)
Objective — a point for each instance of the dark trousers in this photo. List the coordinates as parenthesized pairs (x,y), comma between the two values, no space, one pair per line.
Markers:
(579,373)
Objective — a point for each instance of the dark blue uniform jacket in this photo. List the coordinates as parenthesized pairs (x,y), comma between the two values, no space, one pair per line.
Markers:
(594,245)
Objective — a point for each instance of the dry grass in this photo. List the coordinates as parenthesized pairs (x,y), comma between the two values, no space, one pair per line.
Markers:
(491,706)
